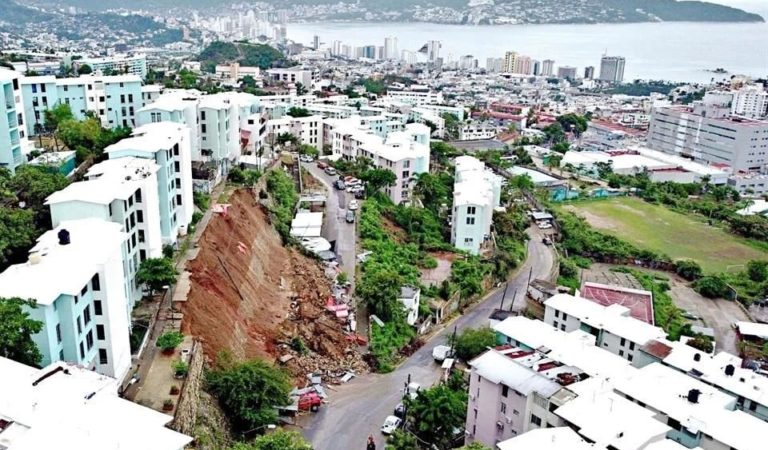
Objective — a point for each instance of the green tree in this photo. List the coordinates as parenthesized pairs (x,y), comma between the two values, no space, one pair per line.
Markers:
(170,340)
(554,133)
(33,185)
(18,232)
(249,391)
(573,122)
(285,138)
(56,115)
(471,342)
(380,290)
(401,440)
(376,179)
(701,342)
(561,147)
(156,273)
(474,446)
(468,275)
(553,161)
(757,271)
(295,111)
(688,269)
(84,69)
(452,126)
(16,331)
(711,287)
(300,89)
(277,440)
(436,413)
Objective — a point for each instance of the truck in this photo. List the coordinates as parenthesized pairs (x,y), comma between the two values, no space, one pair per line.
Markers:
(440,352)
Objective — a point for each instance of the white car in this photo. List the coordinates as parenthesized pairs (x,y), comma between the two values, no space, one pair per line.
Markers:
(353,205)
(390,425)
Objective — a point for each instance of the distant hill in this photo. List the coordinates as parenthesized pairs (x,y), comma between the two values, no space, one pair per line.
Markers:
(247,54)
(527,11)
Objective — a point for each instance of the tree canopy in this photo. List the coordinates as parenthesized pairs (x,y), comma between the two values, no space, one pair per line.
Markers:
(156,273)
(471,342)
(376,179)
(16,331)
(277,440)
(437,413)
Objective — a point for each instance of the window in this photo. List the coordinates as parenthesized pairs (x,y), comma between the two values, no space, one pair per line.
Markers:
(96,283)
(470,220)
(82,351)
(468,241)
(202,115)
(177,166)
(58,333)
(130,98)
(630,358)
(102,356)
(178,199)
(178,183)
(536,420)
(141,236)
(79,325)
(623,342)
(562,327)
(203,128)
(89,340)
(100,332)
(140,216)
(631,345)
(471,209)
(34,88)
(110,210)
(503,408)
(504,390)
(557,313)
(130,201)
(84,290)
(87,314)
(142,255)
(621,353)
(122,98)
(137,194)
(97,307)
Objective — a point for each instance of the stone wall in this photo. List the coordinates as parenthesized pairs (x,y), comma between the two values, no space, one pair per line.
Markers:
(186,409)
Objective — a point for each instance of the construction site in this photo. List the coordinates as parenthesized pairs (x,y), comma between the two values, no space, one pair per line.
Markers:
(253,297)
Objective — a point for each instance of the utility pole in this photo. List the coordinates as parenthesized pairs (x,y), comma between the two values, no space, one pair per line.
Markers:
(530,274)
(504,295)
(511,306)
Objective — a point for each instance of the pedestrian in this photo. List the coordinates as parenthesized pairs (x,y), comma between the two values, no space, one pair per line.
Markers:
(371,444)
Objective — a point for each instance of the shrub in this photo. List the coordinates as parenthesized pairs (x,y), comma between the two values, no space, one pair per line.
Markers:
(170,340)
(711,287)
(701,342)
(474,341)
(298,345)
(180,368)
(197,216)
(690,270)
(201,200)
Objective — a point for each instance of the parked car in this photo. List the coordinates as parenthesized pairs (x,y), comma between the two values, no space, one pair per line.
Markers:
(544,225)
(400,410)
(350,217)
(391,424)
(440,352)
(321,165)
(360,194)
(340,185)
(546,240)
(413,390)
(690,316)
(330,171)
(353,205)
(306,158)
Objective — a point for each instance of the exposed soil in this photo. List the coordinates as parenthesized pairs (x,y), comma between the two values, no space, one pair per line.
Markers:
(250,295)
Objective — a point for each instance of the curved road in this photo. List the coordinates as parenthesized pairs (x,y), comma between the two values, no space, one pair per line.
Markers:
(357,409)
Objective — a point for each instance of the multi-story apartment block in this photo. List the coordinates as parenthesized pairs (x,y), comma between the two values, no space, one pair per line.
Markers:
(416,96)
(13,140)
(477,131)
(750,101)
(76,275)
(115,100)
(124,191)
(291,76)
(308,130)
(127,64)
(613,327)
(476,192)
(66,406)
(707,132)
(150,93)
(168,144)
(612,69)
(177,106)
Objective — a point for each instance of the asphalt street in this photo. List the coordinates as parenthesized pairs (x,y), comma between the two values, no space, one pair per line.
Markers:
(358,408)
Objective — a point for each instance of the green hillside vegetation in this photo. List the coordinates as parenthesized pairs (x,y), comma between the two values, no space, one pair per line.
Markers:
(247,54)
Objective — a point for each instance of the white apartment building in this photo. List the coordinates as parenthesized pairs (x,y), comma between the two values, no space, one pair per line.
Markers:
(707,132)
(150,93)
(291,76)
(476,192)
(127,64)
(70,407)
(612,69)
(477,131)
(76,275)
(416,96)
(750,101)
(13,135)
(235,72)
(168,144)
(308,130)
(115,100)
(410,297)
(124,191)
(613,327)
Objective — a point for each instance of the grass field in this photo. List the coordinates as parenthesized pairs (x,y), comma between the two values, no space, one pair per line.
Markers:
(660,229)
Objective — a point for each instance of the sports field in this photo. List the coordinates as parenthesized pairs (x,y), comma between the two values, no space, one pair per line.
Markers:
(660,229)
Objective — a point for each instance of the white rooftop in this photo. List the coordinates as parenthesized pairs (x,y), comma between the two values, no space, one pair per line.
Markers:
(562,438)
(614,318)
(759,330)
(500,369)
(536,176)
(75,408)
(151,138)
(63,269)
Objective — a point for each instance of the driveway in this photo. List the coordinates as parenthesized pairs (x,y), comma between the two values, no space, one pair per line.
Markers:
(358,408)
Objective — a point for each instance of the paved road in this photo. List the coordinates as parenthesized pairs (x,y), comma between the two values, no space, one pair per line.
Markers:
(335,225)
(358,408)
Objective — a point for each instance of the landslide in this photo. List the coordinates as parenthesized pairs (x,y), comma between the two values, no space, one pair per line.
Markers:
(251,296)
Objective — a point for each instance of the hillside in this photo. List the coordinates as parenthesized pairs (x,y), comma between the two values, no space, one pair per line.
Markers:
(259,55)
(459,11)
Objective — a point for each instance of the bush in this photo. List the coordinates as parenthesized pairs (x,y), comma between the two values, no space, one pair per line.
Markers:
(298,345)
(690,270)
(170,340)
(180,368)
(474,341)
(197,216)
(701,342)
(202,201)
(711,287)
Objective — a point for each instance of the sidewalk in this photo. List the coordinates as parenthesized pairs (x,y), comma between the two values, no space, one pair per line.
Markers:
(164,318)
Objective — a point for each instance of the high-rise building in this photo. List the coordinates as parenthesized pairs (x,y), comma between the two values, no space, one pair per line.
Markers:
(612,69)
(409,57)
(750,101)
(390,48)
(124,64)
(589,72)
(510,61)
(548,68)
(432,50)
(536,68)
(494,64)
(467,62)
(566,72)
(316,42)
(12,123)
(523,65)
(336,49)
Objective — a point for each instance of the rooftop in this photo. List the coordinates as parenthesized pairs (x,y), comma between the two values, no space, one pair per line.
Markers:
(548,439)
(639,302)
(75,408)
(55,269)
(151,137)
